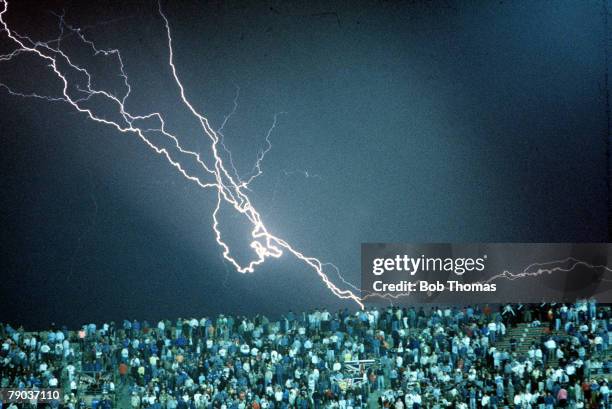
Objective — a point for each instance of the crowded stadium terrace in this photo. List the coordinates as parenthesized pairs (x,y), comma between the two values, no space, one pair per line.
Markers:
(479,356)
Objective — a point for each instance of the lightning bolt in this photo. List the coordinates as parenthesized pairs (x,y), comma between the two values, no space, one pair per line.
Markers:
(532,270)
(541,268)
(230,188)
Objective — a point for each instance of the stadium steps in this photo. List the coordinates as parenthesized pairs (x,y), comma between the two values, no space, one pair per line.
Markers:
(524,335)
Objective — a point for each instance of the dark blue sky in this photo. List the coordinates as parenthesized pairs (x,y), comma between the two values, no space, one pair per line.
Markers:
(422,121)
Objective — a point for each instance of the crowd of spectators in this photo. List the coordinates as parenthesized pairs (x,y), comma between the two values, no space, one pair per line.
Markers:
(416,357)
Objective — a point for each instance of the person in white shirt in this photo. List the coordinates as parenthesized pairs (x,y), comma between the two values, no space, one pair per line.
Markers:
(550,345)
(485,401)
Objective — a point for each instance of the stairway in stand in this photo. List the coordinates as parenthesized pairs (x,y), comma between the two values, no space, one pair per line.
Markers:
(524,335)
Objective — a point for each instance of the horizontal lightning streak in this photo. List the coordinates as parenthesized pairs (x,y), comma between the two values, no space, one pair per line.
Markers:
(540,269)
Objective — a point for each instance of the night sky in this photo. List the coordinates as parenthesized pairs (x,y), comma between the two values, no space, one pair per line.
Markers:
(414,121)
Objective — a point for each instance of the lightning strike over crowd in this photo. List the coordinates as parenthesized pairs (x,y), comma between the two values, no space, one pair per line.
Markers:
(230,188)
